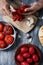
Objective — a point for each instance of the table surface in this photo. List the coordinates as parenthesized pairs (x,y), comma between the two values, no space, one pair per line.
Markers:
(7,56)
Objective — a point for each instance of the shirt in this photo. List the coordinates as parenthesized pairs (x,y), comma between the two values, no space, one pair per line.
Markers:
(25,1)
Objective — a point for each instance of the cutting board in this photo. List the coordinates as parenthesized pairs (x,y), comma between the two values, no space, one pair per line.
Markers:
(20,25)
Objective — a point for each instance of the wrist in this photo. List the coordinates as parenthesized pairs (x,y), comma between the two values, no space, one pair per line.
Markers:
(40,3)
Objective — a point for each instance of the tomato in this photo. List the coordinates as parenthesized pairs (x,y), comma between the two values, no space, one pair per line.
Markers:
(1,35)
(1,27)
(24,49)
(20,58)
(18,10)
(29,60)
(31,50)
(24,63)
(8,30)
(20,18)
(17,17)
(14,13)
(35,58)
(9,39)
(23,9)
(26,55)
(2,44)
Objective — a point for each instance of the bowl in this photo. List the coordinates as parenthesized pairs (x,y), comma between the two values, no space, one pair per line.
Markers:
(28,45)
(14,35)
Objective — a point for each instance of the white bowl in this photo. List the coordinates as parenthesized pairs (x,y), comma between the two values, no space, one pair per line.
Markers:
(14,35)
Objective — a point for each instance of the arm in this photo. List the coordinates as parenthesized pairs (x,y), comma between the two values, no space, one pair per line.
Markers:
(35,6)
(40,2)
(4,8)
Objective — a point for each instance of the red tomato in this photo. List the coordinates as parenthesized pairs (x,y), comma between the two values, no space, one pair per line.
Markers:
(1,35)
(24,49)
(31,50)
(26,55)
(35,58)
(9,39)
(20,58)
(14,13)
(1,27)
(17,17)
(2,44)
(23,8)
(8,30)
(18,10)
(29,60)
(20,18)
(24,63)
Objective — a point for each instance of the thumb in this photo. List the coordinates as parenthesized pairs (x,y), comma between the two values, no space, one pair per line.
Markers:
(28,8)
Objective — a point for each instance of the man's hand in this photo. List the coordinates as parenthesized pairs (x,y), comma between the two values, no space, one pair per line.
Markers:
(4,8)
(34,7)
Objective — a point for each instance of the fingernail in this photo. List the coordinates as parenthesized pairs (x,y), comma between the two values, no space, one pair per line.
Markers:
(25,10)
(12,9)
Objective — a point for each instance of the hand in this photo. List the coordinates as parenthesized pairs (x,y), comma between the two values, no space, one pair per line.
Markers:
(4,8)
(34,7)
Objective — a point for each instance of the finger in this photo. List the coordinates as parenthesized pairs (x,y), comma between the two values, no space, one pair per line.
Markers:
(31,12)
(7,10)
(2,12)
(12,9)
(28,9)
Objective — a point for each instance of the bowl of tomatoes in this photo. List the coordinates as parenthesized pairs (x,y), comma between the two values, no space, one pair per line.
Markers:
(27,54)
(7,35)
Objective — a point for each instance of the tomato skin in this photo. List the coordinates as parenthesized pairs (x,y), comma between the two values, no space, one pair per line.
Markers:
(18,10)
(1,27)
(1,35)
(24,49)
(24,63)
(23,9)
(20,58)
(9,39)
(8,30)
(2,44)
(26,55)
(17,17)
(35,58)
(31,50)
(29,60)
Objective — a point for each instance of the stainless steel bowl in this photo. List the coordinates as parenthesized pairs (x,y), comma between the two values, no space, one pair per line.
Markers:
(14,35)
